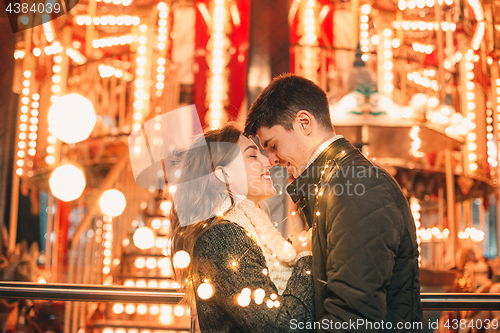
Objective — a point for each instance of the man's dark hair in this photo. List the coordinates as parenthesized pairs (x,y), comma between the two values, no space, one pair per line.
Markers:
(280,101)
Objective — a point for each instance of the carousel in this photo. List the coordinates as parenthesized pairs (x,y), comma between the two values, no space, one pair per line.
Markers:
(106,92)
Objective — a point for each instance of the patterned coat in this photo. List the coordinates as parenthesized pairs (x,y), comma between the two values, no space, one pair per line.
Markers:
(213,256)
(365,254)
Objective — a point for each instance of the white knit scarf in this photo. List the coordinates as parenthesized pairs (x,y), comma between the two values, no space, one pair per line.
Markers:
(279,253)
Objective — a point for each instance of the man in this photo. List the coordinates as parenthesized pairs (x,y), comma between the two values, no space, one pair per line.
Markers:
(365,254)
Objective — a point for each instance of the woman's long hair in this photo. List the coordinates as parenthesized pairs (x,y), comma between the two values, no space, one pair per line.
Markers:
(196,204)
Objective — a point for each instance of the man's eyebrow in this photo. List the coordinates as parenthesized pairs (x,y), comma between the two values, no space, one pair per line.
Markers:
(251,147)
(264,145)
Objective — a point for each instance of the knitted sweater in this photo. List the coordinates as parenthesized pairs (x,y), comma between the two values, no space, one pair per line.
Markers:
(230,261)
(279,253)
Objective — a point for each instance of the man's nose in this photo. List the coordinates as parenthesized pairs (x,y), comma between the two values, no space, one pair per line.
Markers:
(273,159)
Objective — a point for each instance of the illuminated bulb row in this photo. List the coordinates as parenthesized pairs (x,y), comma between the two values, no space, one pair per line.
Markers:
(117,2)
(415,210)
(386,63)
(470,112)
(472,233)
(439,117)
(412,4)
(109,71)
(217,59)
(424,25)
(76,56)
(33,125)
(422,48)
(478,35)
(159,224)
(142,309)
(427,234)
(23,126)
(423,81)
(126,20)
(54,48)
(108,242)
(480,27)
(141,94)
(452,60)
(309,32)
(497,85)
(56,90)
(415,145)
(122,330)
(18,54)
(363,30)
(151,284)
(49,33)
(152,263)
(490,143)
(460,124)
(112,41)
(98,231)
(163,11)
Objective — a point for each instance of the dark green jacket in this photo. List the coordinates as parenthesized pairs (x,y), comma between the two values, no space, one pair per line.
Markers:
(365,254)
(213,255)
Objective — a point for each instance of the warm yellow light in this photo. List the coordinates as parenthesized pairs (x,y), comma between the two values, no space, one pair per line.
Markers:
(151,263)
(205,291)
(179,311)
(140,263)
(144,238)
(154,309)
(130,308)
(142,309)
(67,182)
(243,299)
(112,202)
(71,118)
(181,259)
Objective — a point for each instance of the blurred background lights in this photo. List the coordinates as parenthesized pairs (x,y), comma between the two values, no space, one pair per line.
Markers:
(181,259)
(140,263)
(144,238)
(118,308)
(67,182)
(205,291)
(71,118)
(112,202)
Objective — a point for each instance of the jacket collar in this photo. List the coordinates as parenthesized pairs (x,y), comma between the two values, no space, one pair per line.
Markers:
(312,174)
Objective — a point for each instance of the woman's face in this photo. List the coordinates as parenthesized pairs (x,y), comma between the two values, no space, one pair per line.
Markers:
(259,183)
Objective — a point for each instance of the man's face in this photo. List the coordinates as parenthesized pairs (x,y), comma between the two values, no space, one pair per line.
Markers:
(286,148)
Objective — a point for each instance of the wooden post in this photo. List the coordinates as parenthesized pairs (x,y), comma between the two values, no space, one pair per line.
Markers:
(16,179)
(450,199)
(8,126)
(441,226)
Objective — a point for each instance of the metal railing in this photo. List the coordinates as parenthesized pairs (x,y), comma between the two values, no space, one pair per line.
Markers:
(88,293)
(101,293)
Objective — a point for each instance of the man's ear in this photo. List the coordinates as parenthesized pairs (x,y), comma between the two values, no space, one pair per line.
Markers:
(222,175)
(305,120)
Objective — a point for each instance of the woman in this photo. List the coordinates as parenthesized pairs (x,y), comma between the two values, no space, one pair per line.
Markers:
(243,275)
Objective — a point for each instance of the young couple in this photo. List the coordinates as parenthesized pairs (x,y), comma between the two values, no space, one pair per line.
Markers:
(245,277)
